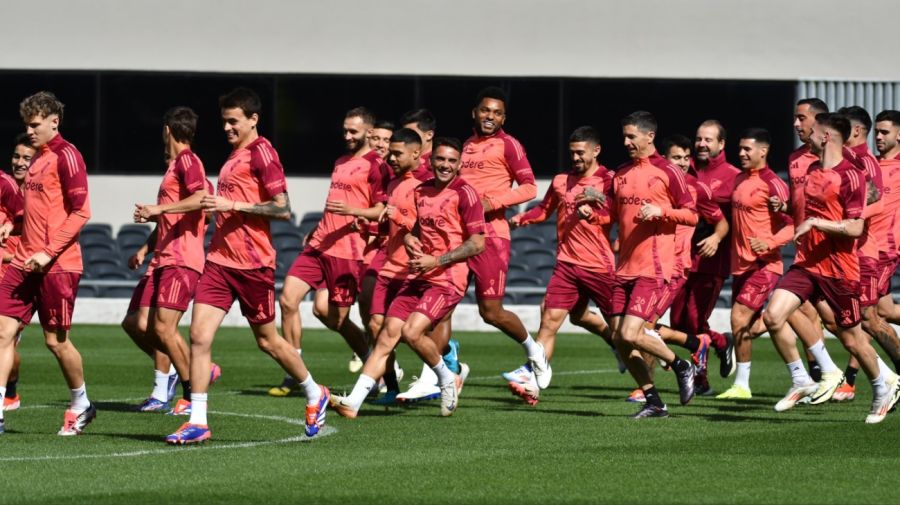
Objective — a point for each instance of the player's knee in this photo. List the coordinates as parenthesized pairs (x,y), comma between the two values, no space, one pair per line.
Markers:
(410,335)
(773,320)
(289,303)
(491,313)
(265,345)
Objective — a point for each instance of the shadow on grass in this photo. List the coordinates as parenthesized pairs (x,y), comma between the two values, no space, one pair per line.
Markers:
(117,406)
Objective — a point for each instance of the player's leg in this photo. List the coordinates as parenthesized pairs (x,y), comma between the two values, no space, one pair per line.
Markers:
(746,325)
(372,370)
(8,327)
(783,303)
(413,333)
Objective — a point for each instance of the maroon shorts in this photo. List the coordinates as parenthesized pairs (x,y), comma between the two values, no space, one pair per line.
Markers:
(173,287)
(636,297)
(339,275)
(868,281)
(219,286)
(489,268)
(569,283)
(432,300)
(694,304)
(840,294)
(386,289)
(372,269)
(141,297)
(886,268)
(53,294)
(673,287)
(752,288)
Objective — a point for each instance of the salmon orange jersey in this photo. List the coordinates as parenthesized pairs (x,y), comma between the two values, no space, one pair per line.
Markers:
(708,209)
(798,171)
(836,194)
(491,164)
(253,175)
(375,233)
(11,201)
(401,194)
(55,207)
(446,218)
(582,242)
(886,225)
(869,243)
(751,218)
(356,181)
(423,171)
(646,247)
(179,237)
(718,176)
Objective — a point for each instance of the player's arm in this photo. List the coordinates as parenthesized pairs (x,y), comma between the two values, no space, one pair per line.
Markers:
(73,184)
(712,214)
(683,211)
(137,259)
(539,213)
(844,228)
(525,190)
(852,194)
(342,209)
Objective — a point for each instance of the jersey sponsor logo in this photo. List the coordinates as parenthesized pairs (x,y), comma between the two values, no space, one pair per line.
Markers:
(34,186)
(343,186)
(471,165)
(225,186)
(433,222)
(632,200)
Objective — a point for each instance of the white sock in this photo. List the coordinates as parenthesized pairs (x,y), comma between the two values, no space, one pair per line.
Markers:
(878,386)
(799,377)
(313,391)
(172,369)
(819,352)
(80,401)
(199,402)
(883,368)
(444,375)
(363,385)
(742,375)
(2,396)
(532,350)
(160,386)
(428,375)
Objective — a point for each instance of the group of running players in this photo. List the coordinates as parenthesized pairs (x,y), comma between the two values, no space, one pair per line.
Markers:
(410,217)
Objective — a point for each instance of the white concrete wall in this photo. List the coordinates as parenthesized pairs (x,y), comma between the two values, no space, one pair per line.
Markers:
(763,39)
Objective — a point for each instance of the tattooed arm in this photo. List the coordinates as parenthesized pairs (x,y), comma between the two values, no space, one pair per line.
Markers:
(471,247)
(279,207)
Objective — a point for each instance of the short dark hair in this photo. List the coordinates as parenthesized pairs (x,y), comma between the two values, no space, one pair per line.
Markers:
(182,123)
(815,104)
(423,118)
(364,113)
(760,135)
(836,122)
(384,124)
(451,142)
(42,103)
(676,140)
(585,134)
(492,92)
(407,136)
(23,139)
(241,98)
(889,115)
(722,135)
(858,114)
(642,119)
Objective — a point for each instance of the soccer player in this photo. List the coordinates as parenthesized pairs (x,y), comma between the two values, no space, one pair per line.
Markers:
(651,199)
(757,235)
(834,198)
(449,229)
(11,194)
(380,137)
(241,263)
(47,266)
(810,329)
(694,304)
(178,255)
(875,242)
(334,253)
(491,161)
(426,387)
(585,266)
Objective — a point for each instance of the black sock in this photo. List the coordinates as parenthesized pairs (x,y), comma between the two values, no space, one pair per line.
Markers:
(186,390)
(850,375)
(815,371)
(679,365)
(390,381)
(692,343)
(11,388)
(652,397)
(896,364)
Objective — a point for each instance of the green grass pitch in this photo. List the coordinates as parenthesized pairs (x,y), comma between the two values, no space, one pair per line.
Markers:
(576,446)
